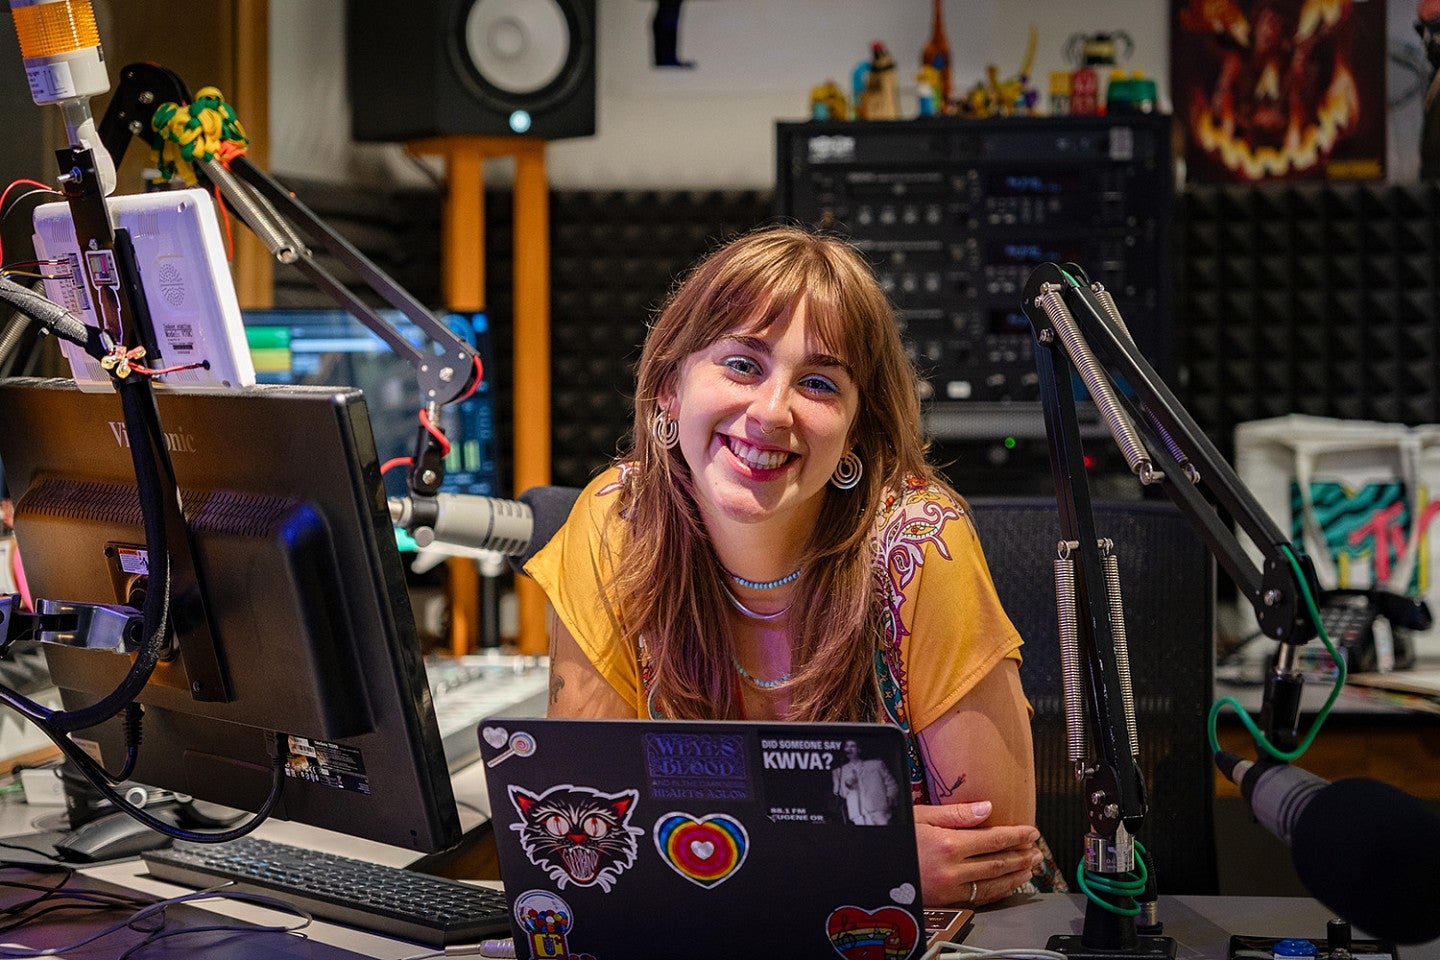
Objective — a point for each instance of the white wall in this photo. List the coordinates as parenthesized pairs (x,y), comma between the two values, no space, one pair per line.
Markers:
(755,62)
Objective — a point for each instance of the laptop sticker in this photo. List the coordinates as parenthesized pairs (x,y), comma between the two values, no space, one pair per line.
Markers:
(905,893)
(521,744)
(577,834)
(546,920)
(697,766)
(887,933)
(706,851)
(839,781)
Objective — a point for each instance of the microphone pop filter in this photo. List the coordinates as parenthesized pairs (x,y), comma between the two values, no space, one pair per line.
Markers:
(1371,853)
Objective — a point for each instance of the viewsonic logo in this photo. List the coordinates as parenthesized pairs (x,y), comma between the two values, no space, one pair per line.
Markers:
(178,441)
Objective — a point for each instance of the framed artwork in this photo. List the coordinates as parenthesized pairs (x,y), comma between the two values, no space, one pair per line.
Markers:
(1280,89)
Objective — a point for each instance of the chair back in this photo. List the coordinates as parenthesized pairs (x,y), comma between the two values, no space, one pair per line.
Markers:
(1167,578)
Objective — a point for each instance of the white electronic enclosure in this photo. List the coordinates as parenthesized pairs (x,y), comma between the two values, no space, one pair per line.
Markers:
(187,282)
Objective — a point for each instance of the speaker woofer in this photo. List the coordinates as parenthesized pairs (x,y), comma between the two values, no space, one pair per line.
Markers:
(520,53)
(471,67)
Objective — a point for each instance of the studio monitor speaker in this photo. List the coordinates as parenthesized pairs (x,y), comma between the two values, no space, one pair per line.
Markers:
(429,68)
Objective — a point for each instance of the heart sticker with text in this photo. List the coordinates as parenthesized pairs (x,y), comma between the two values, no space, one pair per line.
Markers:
(887,933)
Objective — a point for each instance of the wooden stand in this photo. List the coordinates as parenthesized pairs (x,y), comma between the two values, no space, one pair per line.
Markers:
(464,277)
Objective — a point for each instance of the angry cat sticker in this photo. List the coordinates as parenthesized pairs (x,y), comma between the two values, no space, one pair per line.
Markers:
(577,834)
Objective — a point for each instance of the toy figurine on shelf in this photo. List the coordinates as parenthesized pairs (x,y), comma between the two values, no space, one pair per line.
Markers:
(927,92)
(935,61)
(880,98)
(1012,96)
(828,102)
(1095,56)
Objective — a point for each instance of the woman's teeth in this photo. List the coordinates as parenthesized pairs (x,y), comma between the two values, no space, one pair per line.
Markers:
(754,457)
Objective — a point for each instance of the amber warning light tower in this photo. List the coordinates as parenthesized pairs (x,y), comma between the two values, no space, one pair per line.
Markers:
(60,45)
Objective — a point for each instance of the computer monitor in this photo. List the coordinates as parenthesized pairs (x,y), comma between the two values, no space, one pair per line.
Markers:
(303,586)
(332,348)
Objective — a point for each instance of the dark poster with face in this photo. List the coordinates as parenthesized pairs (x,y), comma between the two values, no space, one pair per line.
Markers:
(1280,89)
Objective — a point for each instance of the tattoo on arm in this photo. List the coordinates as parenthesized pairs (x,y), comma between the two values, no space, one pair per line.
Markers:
(937,783)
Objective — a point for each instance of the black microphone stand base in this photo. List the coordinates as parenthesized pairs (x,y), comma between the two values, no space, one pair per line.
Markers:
(1107,935)
(1144,948)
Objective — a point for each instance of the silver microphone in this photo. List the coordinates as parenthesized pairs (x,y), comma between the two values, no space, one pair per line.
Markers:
(483,523)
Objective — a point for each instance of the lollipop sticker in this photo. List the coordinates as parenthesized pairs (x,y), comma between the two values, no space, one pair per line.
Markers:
(521,745)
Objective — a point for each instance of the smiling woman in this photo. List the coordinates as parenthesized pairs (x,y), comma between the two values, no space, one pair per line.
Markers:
(774,545)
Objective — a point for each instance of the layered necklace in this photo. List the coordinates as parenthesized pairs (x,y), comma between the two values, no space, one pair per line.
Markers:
(755,615)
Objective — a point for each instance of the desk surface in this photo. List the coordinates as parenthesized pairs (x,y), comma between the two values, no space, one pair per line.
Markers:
(1201,925)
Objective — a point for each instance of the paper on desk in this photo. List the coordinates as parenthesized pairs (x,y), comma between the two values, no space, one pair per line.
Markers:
(1426,683)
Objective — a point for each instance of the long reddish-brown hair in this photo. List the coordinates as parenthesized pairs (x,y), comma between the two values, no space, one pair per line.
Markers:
(667,584)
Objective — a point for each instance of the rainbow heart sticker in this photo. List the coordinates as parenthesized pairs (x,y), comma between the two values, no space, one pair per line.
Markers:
(705,851)
(888,933)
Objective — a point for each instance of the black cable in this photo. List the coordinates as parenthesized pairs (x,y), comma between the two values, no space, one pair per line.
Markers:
(15,203)
(159,932)
(134,718)
(149,458)
(50,315)
(135,397)
(23,849)
(91,899)
(149,917)
(98,778)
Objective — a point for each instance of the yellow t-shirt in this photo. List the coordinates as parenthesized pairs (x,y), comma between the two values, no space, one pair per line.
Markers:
(943,627)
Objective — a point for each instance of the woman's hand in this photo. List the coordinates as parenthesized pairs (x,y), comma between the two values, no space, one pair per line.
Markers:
(962,862)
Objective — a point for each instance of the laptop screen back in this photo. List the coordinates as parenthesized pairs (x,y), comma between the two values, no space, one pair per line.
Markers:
(704,839)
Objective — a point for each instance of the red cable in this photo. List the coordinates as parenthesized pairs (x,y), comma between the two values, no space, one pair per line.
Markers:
(227,151)
(225,219)
(391,464)
(160,372)
(6,195)
(18,573)
(435,432)
(25,182)
(479,375)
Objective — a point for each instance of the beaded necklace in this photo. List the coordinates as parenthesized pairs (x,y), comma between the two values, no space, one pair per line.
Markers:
(790,577)
(762,684)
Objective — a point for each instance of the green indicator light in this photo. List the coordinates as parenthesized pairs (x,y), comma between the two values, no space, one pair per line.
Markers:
(1009,443)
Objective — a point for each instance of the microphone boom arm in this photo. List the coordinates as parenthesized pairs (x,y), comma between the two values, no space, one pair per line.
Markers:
(1078,330)
(447,369)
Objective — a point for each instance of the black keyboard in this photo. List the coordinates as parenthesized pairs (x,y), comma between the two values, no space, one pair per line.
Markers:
(387,900)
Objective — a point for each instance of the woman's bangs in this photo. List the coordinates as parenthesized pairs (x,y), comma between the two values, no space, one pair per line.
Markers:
(836,327)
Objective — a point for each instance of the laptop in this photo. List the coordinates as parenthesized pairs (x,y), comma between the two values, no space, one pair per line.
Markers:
(707,839)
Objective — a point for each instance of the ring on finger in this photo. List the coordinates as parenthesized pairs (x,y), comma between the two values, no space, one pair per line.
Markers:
(974,889)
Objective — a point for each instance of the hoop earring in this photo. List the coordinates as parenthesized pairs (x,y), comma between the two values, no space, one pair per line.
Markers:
(847,471)
(666,431)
